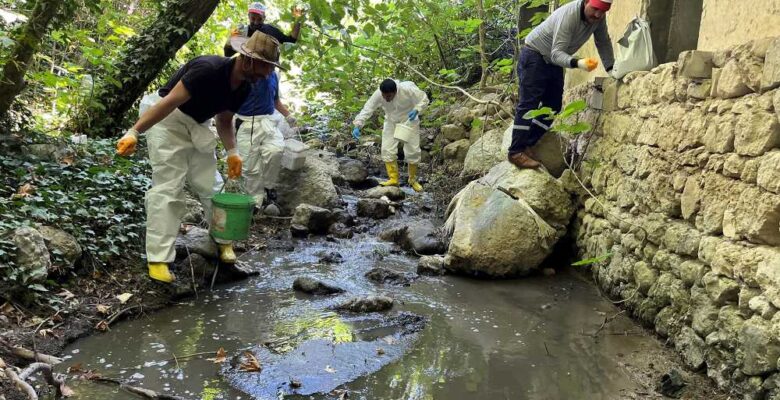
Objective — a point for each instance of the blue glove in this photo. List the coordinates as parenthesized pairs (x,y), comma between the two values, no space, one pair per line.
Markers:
(412,115)
(356,133)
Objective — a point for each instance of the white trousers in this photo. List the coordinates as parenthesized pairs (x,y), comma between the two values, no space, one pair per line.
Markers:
(179,149)
(412,152)
(260,144)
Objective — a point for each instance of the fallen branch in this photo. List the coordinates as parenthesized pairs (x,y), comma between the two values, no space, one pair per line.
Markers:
(21,384)
(146,393)
(33,356)
(48,374)
(607,320)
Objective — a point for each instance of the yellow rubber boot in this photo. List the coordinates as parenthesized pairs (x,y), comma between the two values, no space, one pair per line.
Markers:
(226,254)
(160,272)
(413,178)
(392,173)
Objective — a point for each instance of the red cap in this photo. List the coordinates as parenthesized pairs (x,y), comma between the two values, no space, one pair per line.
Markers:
(602,5)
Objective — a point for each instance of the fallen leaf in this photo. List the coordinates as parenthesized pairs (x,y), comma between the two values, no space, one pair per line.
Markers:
(25,190)
(75,368)
(66,294)
(103,309)
(220,358)
(380,351)
(68,159)
(124,297)
(65,391)
(295,384)
(102,326)
(56,318)
(251,364)
(330,369)
(45,332)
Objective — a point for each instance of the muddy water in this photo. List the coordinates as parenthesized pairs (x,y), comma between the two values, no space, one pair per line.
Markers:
(520,339)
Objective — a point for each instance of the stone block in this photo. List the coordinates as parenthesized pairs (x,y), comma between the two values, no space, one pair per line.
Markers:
(734,165)
(596,100)
(762,307)
(457,151)
(714,82)
(732,81)
(691,347)
(756,216)
(750,171)
(770,77)
(700,89)
(682,239)
(704,314)
(644,276)
(610,99)
(691,272)
(707,248)
(745,295)
(756,133)
(668,321)
(768,274)
(728,327)
(722,290)
(768,176)
(695,64)
(691,197)
(760,347)
(719,137)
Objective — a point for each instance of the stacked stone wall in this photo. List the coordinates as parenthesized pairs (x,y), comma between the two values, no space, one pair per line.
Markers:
(685,167)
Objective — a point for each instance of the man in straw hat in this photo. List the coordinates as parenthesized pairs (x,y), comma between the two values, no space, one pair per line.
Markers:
(257,14)
(548,50)
(181,146)
(402,103)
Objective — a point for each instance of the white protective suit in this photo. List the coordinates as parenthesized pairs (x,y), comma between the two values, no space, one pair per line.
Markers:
(179,149)
(260,144)
(409,97)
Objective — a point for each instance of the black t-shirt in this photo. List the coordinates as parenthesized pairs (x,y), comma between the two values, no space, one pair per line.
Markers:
(207,79)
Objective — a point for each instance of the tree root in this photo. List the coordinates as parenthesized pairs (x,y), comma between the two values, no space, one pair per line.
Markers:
(21,384)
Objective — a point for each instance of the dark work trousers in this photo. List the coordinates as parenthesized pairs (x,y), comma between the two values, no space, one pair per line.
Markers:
(541,85)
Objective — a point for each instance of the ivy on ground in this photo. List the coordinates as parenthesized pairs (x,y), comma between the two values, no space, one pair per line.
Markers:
(85,190)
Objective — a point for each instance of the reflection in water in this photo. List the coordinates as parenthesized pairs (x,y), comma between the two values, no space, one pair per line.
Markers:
(315,326)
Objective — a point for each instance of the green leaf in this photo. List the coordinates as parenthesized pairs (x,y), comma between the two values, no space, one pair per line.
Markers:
(573,108)
(591,261)
(37,287)
(544,111)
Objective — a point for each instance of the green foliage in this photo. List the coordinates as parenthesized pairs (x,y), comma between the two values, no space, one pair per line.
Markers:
(92,194)
(561,121)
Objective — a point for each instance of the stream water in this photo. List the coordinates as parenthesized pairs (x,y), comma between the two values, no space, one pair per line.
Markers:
(516,339)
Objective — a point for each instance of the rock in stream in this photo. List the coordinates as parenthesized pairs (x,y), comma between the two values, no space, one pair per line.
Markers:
(309,285)
(366,304)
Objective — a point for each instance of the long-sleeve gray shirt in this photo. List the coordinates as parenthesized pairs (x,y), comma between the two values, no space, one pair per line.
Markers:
(565,31)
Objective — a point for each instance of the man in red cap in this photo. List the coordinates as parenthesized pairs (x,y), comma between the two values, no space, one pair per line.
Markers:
(257,23)
(548,50)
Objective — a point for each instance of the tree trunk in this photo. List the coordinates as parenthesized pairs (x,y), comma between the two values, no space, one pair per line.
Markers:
(482,50)
(27,43)
(145,55)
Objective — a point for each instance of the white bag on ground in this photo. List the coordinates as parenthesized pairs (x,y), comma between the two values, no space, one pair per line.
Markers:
(635,49)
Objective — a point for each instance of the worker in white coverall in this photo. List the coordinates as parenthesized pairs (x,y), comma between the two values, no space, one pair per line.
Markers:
(260,141)
(402,102)
(182,147)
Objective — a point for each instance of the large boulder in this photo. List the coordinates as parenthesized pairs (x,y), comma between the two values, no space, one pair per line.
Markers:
(312,184)
(507,222)
(491,149)
(394,193)
(314,219)
(453,132)
(457,150)
(196,241)
(353,171)
(373,208)
(32,256)
(419,237)
(63,243)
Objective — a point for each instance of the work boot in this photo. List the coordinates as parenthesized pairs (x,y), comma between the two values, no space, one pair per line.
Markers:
(522,160)
(270,196)
(392,173)
(413,178)
(160,272)
(226,254)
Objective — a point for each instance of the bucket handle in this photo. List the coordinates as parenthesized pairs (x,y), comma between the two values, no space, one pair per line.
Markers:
(240,180)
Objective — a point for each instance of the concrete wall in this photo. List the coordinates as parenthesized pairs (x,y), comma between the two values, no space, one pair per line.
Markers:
(727,23)
(686,174)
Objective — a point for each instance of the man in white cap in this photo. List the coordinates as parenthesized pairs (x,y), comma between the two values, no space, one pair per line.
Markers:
(257,13)
(181,145)
(548,50)
(402,103)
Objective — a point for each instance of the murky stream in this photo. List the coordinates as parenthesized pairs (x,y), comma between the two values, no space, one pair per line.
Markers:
(518,339)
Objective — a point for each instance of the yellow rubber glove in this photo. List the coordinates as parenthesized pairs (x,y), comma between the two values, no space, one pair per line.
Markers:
(587,64)
(126,145)
(234,164)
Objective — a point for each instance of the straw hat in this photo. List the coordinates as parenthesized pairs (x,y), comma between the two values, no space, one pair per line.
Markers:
(260,47)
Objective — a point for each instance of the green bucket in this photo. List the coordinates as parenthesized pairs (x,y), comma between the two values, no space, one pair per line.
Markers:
(231,215)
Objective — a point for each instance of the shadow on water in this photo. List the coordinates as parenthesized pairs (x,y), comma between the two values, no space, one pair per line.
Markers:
(518,339)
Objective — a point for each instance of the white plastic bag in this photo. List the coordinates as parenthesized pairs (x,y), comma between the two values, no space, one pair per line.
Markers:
(635,51)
